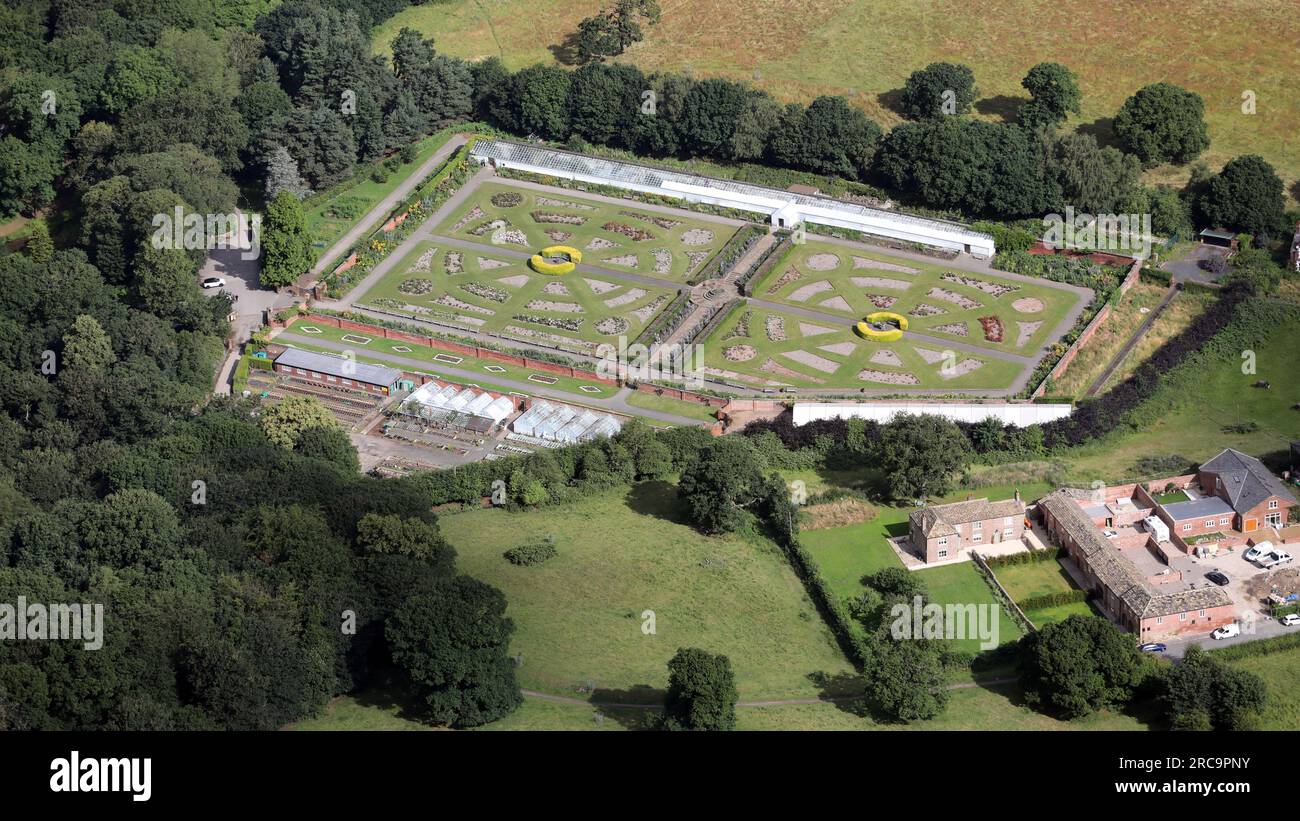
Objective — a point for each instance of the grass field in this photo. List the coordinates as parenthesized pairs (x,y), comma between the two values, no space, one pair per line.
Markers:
(578,616)
(1186,307)
(1196,428)
(427,356)
(820,50)
(483,292)
(1280,672)
(623,237)
(335,214)
(1124,319)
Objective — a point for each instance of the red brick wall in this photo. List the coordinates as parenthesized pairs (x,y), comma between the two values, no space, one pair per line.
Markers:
(685,396)
(1194,623)
(456,347)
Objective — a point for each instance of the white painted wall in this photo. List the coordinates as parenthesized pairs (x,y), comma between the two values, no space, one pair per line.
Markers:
(1021,415)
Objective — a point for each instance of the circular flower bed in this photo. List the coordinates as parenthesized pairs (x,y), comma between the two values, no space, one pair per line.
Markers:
(555,260)
(881,326)
(416,287)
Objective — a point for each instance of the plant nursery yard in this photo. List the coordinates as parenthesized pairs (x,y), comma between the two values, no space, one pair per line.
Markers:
(578,616)
(500,295)
(620,237)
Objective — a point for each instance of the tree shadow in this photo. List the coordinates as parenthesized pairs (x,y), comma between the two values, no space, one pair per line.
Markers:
(1003,106)
(892,100)
(1103,129)
(1295,190)
(639,707)
(565,52)
(847,691)
(657,498)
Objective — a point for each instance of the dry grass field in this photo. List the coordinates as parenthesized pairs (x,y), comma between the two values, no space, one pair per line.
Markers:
(797,49)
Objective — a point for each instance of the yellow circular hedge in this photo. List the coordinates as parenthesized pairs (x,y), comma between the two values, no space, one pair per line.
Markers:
(542,264)
(865,330)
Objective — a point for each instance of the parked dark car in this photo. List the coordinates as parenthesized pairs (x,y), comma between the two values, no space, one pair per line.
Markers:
(1152,647)
(1218,577)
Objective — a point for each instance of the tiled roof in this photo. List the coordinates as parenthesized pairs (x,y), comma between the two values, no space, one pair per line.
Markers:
(939,520)
(1245,480)
(1117,572)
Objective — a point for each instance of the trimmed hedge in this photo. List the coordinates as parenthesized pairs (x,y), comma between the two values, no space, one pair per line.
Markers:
(1259,647)
(1047,554)
(667,321)
(770,259)
(1054,599)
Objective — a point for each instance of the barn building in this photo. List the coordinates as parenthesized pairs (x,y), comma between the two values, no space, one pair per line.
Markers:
(337,371)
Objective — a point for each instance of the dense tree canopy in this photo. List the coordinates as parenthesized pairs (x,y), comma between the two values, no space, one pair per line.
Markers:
(1163,123)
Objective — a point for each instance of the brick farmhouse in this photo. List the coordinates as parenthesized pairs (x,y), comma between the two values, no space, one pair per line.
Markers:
(1134,550)
(944,532)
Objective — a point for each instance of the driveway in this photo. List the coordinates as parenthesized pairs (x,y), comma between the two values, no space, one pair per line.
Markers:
(241,276)
(1188,269)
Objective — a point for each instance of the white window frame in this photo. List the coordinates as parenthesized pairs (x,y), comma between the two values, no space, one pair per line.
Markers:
(943,540)
(942,554)
(1272,504)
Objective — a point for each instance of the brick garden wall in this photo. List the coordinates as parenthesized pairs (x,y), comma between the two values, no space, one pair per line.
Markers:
(1088,332)
(454,347)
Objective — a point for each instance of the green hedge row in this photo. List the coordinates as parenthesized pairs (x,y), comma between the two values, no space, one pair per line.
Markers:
(664,324)
(729,254)
(1054,599)
(1259,647)
(775,253)
(1047,554)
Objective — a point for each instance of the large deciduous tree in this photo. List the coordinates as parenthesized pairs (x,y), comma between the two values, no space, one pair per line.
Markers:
(1163,123)
(452,643)
(938,90)
(919,455)
(701,691)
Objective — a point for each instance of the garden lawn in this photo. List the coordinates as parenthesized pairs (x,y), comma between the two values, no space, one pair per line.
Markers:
(757,347)
(905,284)
(331,214)
(962,584)
(666,404)
(669,246)
(1023,581)
(426,356)
(487,292)
(624,551)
